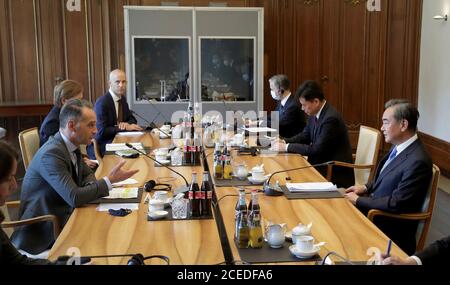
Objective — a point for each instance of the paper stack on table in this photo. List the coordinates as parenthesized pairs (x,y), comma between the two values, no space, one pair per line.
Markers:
(122,146)
(129,134)
(129,181)
(311,187)
(122,193)
(260,130)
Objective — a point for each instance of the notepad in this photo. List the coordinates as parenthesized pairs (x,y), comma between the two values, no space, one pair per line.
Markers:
(129,181)
(122,193)
(311,187)
(260,130)
(122,146)
(129,134)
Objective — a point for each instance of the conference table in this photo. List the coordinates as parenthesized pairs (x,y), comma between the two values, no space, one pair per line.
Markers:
(334,221)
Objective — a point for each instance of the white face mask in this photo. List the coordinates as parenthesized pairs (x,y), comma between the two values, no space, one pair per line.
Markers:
(274,95)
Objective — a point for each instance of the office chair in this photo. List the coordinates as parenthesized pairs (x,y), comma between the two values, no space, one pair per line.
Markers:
(366,156)
(424,216)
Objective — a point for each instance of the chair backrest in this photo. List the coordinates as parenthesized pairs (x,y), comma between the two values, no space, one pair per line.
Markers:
(427,207)
(367,153)
(97,152)
(29,145)
(5,212)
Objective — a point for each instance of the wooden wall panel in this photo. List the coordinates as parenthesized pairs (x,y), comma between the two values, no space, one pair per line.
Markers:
(21,16)
(439,151)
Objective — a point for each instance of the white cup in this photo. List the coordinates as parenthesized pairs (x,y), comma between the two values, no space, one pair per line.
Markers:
(155,205)
(160,195)
(166,128)
(238,139)
(304,243)
(257,174)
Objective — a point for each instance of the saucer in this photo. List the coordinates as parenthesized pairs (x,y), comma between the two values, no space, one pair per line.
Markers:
(260,181)
(293,249)
(164,161)
(156,215)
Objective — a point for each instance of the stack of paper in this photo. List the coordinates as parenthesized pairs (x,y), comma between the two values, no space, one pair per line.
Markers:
(129,134)
(311,187)
(122,193)
(122,146)
(260,130)
(129,181)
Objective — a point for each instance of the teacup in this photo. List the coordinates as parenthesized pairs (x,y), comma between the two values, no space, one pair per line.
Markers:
(301,230)
(155,205)
(304,243)
(241,171)
(257,173)
(238,139)
(166,128)
(160,195)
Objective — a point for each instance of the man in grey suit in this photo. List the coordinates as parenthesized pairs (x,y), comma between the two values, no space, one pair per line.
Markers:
(57,180)
(402,178)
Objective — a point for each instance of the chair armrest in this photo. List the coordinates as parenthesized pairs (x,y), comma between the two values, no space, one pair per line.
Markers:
(45,218)
(413,216)
(345,164)
(12,204)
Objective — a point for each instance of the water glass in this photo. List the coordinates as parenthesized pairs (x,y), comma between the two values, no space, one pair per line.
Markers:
(176,157)
(180,208)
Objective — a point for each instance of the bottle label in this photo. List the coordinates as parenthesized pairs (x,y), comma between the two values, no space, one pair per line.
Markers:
(191,195)
(199,195)
(209,195)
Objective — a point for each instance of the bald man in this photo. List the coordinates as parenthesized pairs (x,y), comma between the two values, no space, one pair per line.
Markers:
(113,113)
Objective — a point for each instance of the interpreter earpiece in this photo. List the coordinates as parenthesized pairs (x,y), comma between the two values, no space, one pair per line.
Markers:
(152,185)
(282,91)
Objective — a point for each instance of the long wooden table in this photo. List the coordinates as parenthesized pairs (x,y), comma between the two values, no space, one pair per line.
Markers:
(98,233)
(335,221)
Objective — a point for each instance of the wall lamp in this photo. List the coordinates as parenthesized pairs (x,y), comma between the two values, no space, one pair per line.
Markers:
(440,17)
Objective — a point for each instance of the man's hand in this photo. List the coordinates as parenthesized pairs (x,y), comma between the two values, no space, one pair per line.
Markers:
(278,145)
(117,174)
(357,189)
(91,164)
(134,127)
(395,260)
(352,197)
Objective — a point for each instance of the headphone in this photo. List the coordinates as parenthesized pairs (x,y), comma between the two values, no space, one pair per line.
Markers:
(138,259)
(152,185)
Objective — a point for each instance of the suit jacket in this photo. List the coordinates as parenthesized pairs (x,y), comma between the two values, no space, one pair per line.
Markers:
(105,110)
(50,125)
(324,141)
(437,253)
(50,188)
(292,119)
(400,188)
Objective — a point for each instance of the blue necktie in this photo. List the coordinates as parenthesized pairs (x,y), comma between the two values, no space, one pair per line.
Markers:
(392,155)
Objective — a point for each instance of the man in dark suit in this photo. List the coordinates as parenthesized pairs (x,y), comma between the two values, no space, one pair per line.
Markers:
(325,137)
(402,177)
(437,253)
(113,113)
(57,180)
(291,117)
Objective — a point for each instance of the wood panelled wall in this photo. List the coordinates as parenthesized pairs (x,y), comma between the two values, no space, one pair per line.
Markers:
(361,58)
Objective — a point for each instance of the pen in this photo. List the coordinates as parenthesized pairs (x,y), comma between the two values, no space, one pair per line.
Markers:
(388,251)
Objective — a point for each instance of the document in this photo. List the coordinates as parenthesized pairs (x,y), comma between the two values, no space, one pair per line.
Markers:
(129,134)
(311,187)
(122,146)
(122,193)
(106,207)
(260,130)
(129,181)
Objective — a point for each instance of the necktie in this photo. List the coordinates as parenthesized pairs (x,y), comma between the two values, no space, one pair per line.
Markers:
(77,166)
(120,111)
(392,155)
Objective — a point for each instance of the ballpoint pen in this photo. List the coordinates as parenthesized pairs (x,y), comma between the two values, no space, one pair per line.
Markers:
(388,251)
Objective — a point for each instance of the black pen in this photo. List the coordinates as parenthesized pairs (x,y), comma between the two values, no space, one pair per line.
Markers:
(388,251)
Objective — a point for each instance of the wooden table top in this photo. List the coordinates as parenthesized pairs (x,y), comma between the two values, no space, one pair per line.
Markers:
(98,233)
(335,221)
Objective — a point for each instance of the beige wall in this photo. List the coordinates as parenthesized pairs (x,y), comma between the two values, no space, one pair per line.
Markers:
(434,82)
